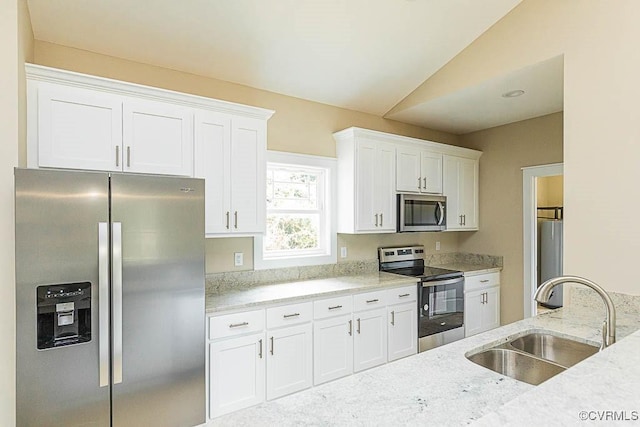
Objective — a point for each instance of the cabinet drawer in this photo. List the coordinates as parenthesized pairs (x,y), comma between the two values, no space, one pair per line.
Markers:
(481,281)
(369,300)
(332,307)
(404,294)
(229,325)
(291,314)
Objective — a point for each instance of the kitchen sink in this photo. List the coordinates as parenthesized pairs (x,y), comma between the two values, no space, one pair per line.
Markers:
(563,351)
(519,366)
(534,357)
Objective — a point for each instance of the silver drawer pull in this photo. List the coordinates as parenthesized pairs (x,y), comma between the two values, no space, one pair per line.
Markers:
(372,300)
(403,295)
(484,281)
(237,325)
(335,307)
(286,316)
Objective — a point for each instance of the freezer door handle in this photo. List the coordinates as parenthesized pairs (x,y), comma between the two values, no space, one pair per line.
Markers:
(103,298)
(116,298)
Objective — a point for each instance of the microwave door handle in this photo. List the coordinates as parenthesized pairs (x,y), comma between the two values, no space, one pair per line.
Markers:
(441,209)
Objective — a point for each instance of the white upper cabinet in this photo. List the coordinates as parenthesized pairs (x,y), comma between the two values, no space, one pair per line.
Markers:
(366,185)
(157,138)
(418,170)
(79,121)
(461,189)
(231,157)
(76,128)
(374,167)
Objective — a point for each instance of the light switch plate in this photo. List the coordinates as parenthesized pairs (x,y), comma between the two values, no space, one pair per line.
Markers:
(343,252)
(238,259)
(437,246)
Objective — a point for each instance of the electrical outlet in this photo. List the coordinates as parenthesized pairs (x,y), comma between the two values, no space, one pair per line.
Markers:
(343,252)
(437,246)
(238,259)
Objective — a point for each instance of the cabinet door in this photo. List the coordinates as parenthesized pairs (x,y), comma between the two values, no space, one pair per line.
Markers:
(289,360)
(78,128)
(468,198)
(473,312)
(450,187)
(431,172)
(332,348)
(157,137)
(236,374)
(369,339)
(403,330)
(491,309)
(384,189)
(366,176)
(248,175)
(408,170)
(212,162)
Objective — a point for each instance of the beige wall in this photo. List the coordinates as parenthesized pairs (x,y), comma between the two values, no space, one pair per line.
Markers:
(598,39)
(506,149)
(16,42)
(549,193)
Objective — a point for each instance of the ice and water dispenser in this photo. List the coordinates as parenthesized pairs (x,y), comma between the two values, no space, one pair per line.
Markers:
(64,314)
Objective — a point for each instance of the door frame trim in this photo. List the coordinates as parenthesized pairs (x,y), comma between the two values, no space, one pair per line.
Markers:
(530,241)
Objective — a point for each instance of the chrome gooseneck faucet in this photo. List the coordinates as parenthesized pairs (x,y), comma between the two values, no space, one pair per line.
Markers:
(608,327)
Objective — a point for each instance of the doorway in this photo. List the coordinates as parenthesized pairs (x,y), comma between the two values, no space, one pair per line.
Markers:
(534,178)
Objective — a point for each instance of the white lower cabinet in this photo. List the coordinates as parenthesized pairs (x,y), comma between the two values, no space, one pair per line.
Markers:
(266,354)
(236,374)
(481,303)
(332,348)
(403,330)
(369,339)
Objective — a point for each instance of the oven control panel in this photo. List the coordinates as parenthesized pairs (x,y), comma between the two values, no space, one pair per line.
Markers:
(403,253)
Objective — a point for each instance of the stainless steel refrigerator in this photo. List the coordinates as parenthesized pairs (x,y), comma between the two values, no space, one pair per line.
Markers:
(109,299)
(551,257)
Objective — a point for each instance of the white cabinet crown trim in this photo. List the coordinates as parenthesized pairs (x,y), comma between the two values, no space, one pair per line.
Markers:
(72,78)
(355,132)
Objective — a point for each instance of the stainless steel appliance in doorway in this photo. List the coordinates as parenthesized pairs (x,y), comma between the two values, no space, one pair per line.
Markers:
(109,299)
(440,295)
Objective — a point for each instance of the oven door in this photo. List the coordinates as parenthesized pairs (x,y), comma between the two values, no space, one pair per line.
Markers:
(441,306)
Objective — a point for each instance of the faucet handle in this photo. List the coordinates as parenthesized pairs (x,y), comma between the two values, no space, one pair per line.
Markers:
(605,328)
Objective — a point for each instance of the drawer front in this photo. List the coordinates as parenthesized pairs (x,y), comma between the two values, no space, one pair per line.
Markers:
(332,307)
(369,300)
(481,281)
(292,314)
(230,325)
(402,295)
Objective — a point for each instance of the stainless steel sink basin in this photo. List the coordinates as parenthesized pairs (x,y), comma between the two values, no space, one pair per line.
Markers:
(534,357)
(563,351)
(516,365)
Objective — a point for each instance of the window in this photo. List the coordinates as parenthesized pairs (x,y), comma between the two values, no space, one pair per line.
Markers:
(300,225)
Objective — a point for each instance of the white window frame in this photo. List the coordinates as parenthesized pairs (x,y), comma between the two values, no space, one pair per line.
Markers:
(330,254)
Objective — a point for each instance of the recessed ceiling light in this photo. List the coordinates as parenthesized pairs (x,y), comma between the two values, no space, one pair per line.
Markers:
(513,93)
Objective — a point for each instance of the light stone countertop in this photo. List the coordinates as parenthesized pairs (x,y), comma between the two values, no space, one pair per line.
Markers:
(263,295)
(441,387)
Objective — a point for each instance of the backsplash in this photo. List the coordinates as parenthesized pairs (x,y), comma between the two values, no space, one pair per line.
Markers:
(216,282)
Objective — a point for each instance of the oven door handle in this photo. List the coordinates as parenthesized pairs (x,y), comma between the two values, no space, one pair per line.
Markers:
(442,282)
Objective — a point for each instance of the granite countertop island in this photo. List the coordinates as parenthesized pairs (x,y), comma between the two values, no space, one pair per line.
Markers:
(442,387)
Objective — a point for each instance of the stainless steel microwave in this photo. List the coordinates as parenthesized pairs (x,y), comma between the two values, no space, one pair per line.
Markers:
(421,213)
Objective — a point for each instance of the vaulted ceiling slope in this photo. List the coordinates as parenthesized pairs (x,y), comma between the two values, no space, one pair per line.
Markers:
(364,55)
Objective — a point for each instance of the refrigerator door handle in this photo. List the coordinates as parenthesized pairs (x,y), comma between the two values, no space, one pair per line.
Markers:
(116,298)
(103,297)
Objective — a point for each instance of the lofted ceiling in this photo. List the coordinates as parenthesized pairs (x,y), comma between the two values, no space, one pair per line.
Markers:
(363,55)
